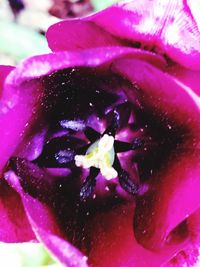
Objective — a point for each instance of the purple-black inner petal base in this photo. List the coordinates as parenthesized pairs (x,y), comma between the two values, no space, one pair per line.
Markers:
(81,106)
(60,152)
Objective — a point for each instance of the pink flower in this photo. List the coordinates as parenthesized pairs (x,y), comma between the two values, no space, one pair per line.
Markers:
(134,66)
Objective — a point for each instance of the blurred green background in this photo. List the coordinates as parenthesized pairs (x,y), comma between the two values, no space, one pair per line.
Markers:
(23,24)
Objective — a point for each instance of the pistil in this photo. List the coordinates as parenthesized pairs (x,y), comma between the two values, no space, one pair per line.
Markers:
(100,155)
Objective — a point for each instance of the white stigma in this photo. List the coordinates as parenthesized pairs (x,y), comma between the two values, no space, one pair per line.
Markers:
(99,155)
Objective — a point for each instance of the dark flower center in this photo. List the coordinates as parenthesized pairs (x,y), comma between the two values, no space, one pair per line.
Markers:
(90,128)
(83,112)
(99,155)
(93,128)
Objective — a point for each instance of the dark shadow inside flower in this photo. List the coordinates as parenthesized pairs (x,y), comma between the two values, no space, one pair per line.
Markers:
(167,139)
(164,138)
(80,107)
(13,216)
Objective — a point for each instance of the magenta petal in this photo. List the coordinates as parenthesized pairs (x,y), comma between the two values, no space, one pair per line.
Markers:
(77,34)
(45,227)
(14,226)
(17,104)
(169,26)
(174,195)
(113,229)
(165,94)
(41,65)
(174,191)
(188,77)
(11,209)
(4,71)
(166,27)
(63,250)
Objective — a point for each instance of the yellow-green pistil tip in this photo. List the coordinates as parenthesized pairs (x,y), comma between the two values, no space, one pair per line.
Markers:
(100,155)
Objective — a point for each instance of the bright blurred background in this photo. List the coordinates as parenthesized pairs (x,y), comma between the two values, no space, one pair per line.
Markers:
(23,24)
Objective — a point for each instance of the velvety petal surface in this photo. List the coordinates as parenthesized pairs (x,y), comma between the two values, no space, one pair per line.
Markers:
(168,28)
(103,232)
(41,65)
(179,102)
(174,189)
(114,244)
(20,100)
(78,34)
(4,71)
(14,226)
(17,104)
(45,227)
(11,208)
(188,77)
